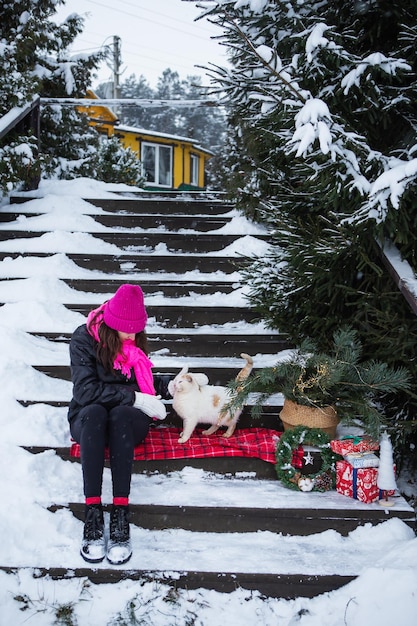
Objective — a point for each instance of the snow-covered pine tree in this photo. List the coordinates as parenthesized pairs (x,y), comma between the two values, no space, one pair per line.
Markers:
(323,148)
(18,79)
(169,87)
(116,164)
(139,117)
(35,60)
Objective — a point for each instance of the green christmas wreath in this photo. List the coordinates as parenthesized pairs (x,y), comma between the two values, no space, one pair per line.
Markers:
(290,476)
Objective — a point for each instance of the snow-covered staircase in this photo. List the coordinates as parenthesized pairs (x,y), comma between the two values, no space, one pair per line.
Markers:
(232,521)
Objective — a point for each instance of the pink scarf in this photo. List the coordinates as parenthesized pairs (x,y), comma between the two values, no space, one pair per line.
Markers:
(130,356)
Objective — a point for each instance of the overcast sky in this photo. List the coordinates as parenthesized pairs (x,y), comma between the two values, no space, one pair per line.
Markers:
(155,35)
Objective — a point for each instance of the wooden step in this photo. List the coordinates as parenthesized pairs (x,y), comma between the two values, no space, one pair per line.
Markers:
(171,222)
(166,206)
(129,263)
(268,417)
(9,216)
(183,317)
(167,287)
(217,375)
(227,466)
(172,316)
(288,521)
(288,514)
(288,586)
(194,243)
(204,345)
(146,205)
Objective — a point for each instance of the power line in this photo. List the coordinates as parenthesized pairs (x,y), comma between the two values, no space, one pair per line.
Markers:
(172,19)
(130,52)
(155,61)
(143,58)
(131,48)
(144,19)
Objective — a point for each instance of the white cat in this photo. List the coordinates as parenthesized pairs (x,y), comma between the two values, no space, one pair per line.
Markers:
(196,401)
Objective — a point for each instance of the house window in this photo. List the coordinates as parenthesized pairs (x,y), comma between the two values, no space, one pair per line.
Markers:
(194,167)
(157,164)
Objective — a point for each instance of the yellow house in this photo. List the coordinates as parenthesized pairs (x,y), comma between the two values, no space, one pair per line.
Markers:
(168,161)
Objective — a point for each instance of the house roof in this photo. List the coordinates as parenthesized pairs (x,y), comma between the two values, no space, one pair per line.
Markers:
(153,133)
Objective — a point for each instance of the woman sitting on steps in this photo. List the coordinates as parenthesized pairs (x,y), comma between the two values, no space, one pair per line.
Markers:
(114,400)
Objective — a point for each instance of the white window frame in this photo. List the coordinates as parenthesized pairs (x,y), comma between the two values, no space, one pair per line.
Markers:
(157,147)
(194,169)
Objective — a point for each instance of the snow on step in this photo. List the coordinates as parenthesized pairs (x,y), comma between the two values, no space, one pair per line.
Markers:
(57,536)
(265,552)
(326,553)
(195,487)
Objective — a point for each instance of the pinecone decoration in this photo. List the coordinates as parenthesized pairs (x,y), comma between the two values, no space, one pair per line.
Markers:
(324,482)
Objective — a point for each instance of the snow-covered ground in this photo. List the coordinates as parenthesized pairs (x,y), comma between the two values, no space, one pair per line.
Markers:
(384,557)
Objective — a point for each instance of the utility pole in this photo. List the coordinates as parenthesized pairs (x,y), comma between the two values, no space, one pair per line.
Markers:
(117,61)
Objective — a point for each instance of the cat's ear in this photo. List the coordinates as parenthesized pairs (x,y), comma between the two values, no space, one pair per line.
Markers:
(201,379)
(183,371)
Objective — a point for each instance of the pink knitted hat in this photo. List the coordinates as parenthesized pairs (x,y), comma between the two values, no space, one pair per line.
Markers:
(125,311)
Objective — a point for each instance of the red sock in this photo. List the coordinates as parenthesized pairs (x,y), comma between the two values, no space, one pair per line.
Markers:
(93,500)
(120,501)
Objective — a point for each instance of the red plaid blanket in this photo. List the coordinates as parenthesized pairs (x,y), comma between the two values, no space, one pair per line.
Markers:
(162,443)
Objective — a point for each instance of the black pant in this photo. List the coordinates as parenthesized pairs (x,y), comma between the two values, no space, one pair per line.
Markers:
(121,429)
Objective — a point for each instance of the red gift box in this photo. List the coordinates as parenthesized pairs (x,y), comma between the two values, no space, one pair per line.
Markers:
(360,483)
(350,445)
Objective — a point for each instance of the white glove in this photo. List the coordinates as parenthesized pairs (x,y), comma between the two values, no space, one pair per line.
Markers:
(151,405)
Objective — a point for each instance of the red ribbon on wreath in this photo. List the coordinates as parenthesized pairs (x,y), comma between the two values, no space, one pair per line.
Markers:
(297,457)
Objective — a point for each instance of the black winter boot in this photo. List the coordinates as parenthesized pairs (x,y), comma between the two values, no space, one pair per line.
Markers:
(119,549)
(93,546)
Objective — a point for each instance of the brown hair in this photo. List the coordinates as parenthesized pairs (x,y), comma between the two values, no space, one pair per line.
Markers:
(110,344)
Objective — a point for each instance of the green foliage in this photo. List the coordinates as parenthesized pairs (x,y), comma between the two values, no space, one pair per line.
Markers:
(117,164)
(146,610)
(339,378)
(62,614)
(19,161)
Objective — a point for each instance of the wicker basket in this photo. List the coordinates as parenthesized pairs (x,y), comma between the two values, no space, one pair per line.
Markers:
(294,414)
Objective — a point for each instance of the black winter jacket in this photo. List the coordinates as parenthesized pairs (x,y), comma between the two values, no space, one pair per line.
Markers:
(93,385)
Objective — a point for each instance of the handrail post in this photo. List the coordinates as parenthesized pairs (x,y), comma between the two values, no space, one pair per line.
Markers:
(34,124)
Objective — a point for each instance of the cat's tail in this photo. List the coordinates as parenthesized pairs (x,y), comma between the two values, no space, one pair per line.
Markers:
(231,410)
(246,370)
